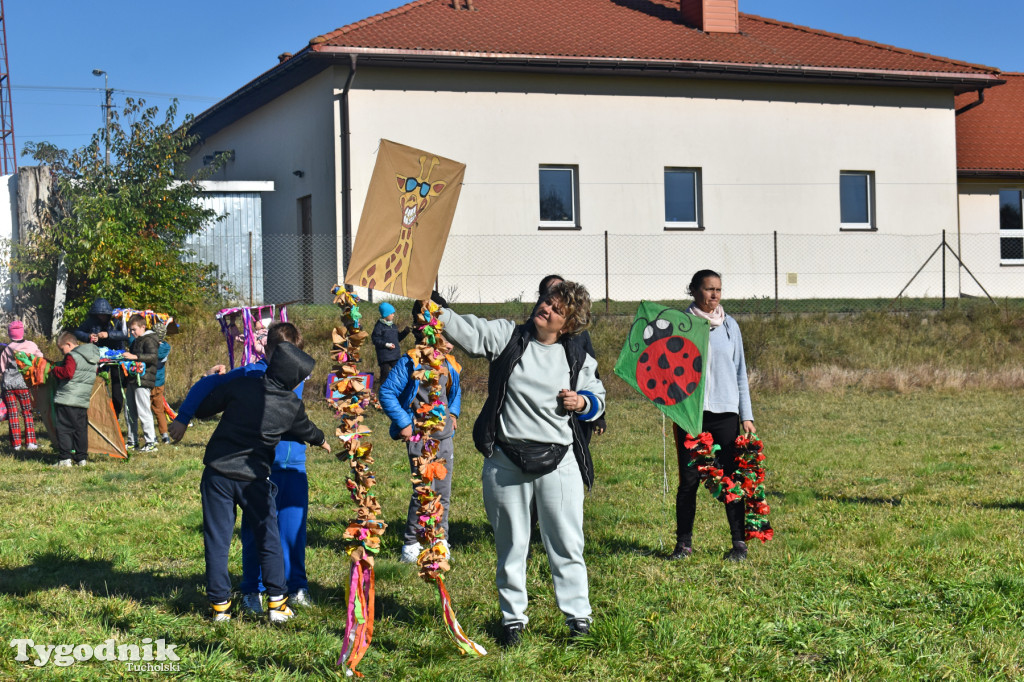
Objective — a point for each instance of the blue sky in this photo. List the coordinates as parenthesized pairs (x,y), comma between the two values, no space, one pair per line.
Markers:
(202,51)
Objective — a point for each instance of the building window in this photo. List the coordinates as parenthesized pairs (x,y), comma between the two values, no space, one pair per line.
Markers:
(857,200)
(559,197)
(682,198)
(1011,227)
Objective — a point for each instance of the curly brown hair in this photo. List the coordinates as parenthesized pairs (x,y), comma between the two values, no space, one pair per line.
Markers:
(575,302)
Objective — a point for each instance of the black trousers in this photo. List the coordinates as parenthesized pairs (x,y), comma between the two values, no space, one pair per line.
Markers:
(117,389)
(382,374)
(72,425)
(256,499)
(724,428)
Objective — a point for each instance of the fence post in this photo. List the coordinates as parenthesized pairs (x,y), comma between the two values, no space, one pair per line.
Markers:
(250,267)
(943,269)
(606,272)
(775,251)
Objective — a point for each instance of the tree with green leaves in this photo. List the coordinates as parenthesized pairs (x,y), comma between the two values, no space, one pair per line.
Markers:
(118,230)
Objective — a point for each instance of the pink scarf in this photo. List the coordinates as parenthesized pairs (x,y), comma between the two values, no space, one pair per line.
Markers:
(715,318)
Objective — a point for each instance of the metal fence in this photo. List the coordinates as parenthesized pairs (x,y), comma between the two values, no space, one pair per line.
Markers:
(776,271)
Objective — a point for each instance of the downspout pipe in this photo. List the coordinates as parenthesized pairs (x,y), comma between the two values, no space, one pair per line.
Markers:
(346,170)
(979,101)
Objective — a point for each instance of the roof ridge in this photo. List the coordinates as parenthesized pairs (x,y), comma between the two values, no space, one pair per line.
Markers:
(376,18)
(869,43)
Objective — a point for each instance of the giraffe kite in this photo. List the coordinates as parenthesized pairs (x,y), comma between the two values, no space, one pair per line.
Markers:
(399,245)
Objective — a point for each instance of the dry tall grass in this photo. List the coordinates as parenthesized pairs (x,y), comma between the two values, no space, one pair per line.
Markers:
(968,346)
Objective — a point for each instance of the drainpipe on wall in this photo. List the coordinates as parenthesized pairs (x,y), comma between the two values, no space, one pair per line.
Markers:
(346,186)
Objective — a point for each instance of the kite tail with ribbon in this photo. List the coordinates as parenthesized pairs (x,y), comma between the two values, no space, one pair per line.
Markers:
(746,484)
(350,399)
(359,594)
(431,369)
(750,458)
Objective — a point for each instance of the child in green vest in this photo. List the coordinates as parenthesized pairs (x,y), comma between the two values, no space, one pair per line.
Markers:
(75,377)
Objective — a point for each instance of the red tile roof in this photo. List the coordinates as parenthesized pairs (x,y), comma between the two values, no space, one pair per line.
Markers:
(990,136)
(619,29)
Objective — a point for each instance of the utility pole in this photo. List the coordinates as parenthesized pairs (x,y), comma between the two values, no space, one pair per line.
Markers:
(106,107)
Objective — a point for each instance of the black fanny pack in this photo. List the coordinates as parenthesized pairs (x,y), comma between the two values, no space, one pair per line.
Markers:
(535,458)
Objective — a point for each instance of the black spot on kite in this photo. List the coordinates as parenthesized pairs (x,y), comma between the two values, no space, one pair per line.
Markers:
(675,393)
(643,358)
(698,364)
(674,344)
(651,383)
(690,388)
(659,401)
(679,371)
(663,362)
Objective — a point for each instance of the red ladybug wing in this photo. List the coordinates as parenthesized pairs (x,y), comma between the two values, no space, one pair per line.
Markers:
(669,370)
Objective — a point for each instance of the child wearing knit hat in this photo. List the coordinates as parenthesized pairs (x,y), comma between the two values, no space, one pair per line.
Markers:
(385,339)
(16,395)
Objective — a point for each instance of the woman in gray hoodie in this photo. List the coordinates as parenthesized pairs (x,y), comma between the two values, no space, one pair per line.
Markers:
(533,447)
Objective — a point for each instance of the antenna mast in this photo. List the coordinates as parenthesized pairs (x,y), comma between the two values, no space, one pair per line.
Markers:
(8,156)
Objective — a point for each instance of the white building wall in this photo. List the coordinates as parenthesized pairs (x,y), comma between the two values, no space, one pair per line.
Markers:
(770,155)
(291,133)
(8,230)
(979,240)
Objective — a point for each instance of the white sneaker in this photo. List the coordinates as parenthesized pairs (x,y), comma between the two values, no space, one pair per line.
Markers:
(81,462)
(17,447)
(32,446)
(64,463)
(300,597)
(252,603)
(410,553)
(279,609)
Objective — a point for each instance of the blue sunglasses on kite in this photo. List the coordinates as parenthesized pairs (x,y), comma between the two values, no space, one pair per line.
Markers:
(413,183)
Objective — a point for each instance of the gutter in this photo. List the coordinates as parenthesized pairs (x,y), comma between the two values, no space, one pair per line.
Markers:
(346,170)
(994,174)
(688,68)
(977,102)
(314,58)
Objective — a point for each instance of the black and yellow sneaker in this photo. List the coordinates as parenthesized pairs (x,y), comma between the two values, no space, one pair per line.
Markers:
(221,611)
(278,609)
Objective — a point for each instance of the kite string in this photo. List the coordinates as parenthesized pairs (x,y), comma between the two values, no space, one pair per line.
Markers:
(664,460)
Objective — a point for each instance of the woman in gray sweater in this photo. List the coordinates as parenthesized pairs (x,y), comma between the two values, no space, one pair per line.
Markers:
(726,405)
(533,448)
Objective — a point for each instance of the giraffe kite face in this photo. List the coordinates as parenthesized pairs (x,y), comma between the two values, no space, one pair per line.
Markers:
(417,192)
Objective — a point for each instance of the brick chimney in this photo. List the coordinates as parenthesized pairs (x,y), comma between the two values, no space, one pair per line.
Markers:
(711,16)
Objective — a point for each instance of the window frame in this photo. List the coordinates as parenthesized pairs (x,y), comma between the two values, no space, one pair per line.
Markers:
(1011,233)
(574,223)
(871,225)
(698,199)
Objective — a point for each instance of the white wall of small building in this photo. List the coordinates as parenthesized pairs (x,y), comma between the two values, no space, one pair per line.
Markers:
(770,156)
(8,231)
(291,133)
(978,240)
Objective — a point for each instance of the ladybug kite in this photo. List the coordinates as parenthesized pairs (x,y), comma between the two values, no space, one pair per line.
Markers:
(664,359)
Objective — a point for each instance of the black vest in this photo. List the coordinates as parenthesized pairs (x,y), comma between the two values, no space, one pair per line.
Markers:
(497,382)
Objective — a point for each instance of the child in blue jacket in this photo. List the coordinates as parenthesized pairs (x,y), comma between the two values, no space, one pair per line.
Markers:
(400,395)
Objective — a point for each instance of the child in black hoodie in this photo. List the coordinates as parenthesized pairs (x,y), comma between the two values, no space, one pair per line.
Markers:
(258,412)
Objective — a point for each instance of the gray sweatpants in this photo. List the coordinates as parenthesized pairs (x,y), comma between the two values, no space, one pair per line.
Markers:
(443,487)
(138,408)
(508,493)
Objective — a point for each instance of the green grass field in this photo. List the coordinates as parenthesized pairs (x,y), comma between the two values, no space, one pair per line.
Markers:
(894,477)
(897,556)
